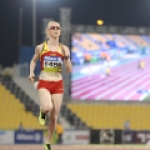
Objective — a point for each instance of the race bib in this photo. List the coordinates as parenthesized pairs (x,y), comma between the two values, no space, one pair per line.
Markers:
(52,62)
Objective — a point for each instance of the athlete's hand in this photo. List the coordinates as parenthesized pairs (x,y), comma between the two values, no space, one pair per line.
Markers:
(31,78)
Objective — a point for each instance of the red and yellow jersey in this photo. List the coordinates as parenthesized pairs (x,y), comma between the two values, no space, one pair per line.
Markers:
(51,61)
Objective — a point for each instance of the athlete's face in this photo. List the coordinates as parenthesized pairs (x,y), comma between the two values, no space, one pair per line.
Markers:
(54,30)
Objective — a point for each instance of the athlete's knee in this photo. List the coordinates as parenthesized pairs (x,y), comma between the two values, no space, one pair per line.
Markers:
(46,108)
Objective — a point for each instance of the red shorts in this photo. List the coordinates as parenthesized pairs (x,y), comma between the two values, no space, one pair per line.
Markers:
(54,87)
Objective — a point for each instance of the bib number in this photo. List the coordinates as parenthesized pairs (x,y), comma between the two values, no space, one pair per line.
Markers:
(52,62)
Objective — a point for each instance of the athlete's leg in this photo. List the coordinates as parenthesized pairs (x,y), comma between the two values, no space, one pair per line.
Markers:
(57,101)
(45,104)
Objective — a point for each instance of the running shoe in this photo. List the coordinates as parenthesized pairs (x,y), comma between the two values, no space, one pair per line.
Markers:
(42,118)
(47,147)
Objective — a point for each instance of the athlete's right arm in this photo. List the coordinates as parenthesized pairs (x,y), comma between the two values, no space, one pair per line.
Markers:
(33,62)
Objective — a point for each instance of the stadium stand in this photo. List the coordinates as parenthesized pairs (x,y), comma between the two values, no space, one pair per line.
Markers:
(105,116)
(16,107)
(72,118)
(93,42)
(138,40)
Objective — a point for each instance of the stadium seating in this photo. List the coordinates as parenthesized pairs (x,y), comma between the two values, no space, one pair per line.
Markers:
(138,40)
(15,107)
(113,116)
(72,118)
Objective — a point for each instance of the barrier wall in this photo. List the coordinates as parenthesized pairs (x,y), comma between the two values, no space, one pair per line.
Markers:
(28,137)
(77,137)
(136,137)
(7,137)
(38,137)
(106,136)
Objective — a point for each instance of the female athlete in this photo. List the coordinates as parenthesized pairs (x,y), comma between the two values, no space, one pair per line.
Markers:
(50,87)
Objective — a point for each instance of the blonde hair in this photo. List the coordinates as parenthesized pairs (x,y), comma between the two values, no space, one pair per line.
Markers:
(47,27)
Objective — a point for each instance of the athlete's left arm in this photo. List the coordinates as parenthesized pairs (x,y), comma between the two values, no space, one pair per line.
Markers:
(67,61)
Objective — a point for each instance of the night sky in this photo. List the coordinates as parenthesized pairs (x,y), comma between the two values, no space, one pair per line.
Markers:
(86,12)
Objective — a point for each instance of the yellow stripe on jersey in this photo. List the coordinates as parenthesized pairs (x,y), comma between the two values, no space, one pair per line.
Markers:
(45,49)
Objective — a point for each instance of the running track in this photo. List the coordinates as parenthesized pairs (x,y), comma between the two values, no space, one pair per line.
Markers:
(124,82)
(67,147)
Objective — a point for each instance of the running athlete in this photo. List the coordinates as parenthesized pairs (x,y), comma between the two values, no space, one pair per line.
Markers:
(50,87)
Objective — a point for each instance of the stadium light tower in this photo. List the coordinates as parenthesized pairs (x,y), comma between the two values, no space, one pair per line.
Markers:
(33,23)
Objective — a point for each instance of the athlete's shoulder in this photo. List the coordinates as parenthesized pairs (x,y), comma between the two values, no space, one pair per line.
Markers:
(63,45)
(66,48)
(66,51)
(39,48)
